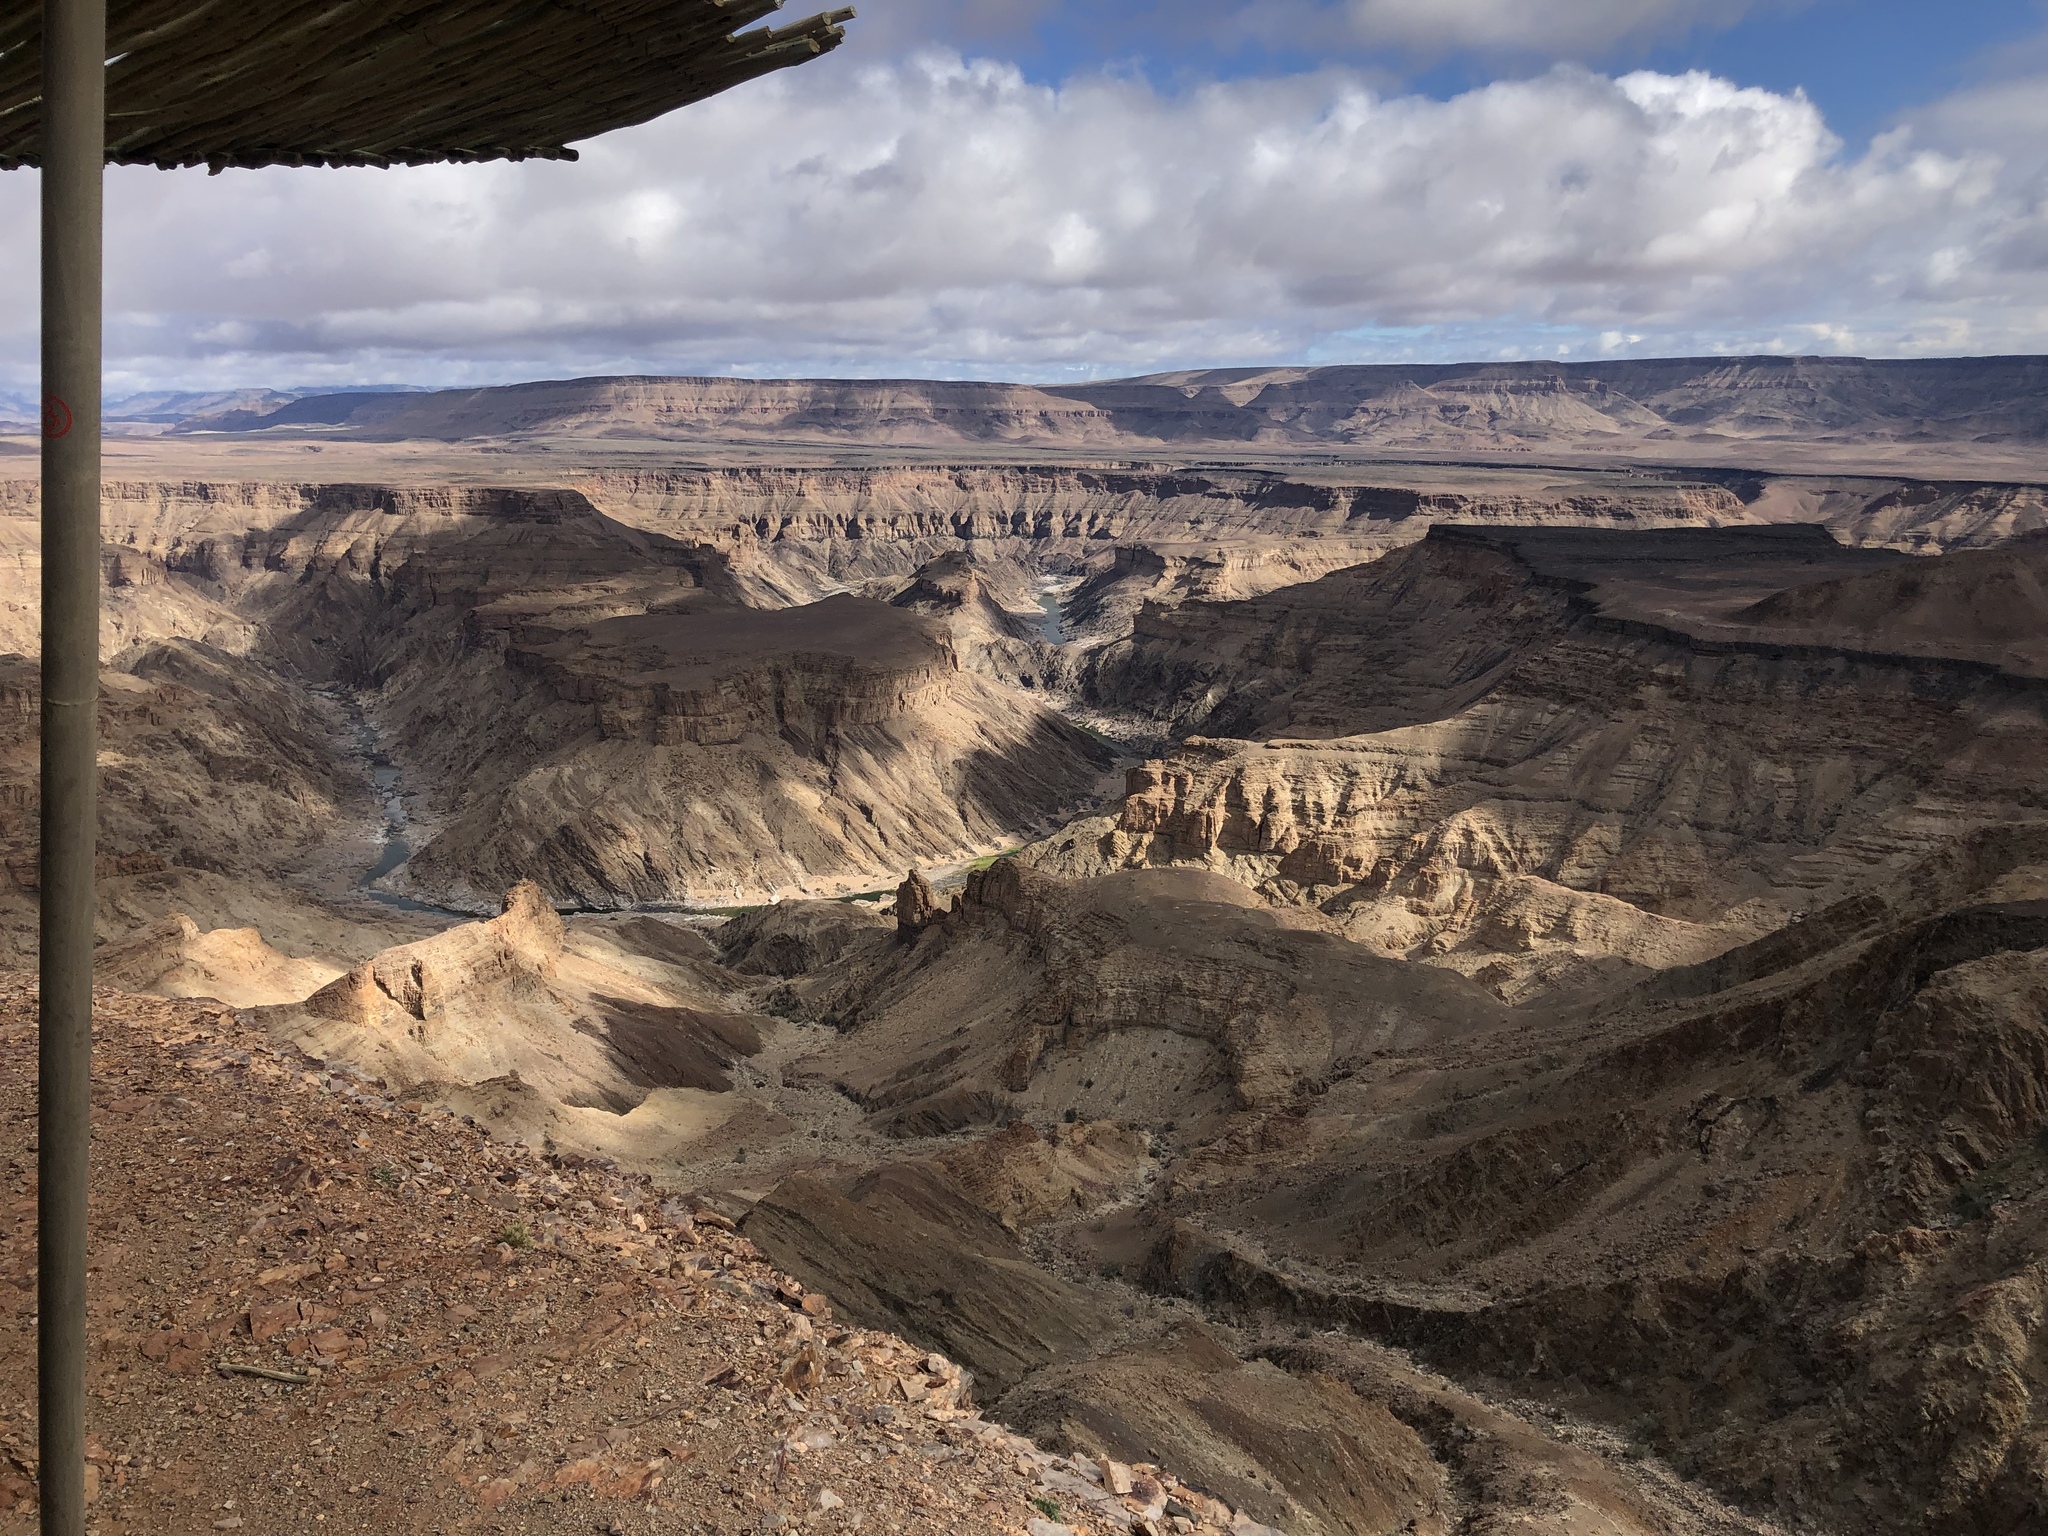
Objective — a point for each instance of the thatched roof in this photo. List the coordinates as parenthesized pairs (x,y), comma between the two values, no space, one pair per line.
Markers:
(395,82)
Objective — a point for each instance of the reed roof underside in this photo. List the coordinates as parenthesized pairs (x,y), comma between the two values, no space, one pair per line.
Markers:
(252,83)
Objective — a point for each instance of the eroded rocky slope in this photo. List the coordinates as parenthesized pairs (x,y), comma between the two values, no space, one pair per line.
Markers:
(1548,1041)
(1537,757)
(220,783)
(1735,1159)
(375,1317)
(723,753)
(1775,1217)
(606,709)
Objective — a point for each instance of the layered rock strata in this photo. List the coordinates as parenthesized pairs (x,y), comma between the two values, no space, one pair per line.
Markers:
(721,753)
(604,1056)
(1641,403)
(1502,753)
(1774,1215)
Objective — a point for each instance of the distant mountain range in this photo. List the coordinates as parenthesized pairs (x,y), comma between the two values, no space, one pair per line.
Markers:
(1430,407)
(166,407)
(1659,407)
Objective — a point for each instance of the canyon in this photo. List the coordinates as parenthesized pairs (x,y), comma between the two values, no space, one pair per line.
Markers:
(1285,939)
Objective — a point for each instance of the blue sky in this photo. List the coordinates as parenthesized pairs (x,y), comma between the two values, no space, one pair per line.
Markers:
(1866,62)
(1046,189)
(1862,62)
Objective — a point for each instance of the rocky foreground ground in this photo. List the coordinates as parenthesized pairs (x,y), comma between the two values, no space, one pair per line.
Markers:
(313,1307)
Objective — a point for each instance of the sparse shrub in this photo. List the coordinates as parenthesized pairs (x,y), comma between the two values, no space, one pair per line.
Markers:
(514,1235)
(785,1002)
(1976,1198)
(1112,1270)
(1047,1508)
(385,1176)
(1071,1116)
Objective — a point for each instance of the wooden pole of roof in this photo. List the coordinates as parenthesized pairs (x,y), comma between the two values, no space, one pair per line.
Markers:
(74,126)
(192,90)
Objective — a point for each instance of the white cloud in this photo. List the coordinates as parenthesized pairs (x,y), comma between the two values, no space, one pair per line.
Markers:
(1559,28)
(941,216)
(1543,29)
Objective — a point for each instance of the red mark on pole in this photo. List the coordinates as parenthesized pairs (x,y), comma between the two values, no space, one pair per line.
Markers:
(56,417)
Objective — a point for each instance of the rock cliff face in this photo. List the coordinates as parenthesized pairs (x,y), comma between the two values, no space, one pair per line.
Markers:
(595,705)
(721,751)
(1470,406)
(716,676)
(1719,1182)
(178,723)
(1502,754)
(202,559)
(879,410)
(541,1035)
(1776,1213)
(995,617)
(1141,996)
(1486,404)
(1735,1145)
(848,524)
(1978,605)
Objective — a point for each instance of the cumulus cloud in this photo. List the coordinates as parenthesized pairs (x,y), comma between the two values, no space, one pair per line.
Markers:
(1555,29)
(891,27)
(948,216)
(1562,27)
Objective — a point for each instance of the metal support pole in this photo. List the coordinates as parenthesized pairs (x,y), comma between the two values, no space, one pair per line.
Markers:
(73,161)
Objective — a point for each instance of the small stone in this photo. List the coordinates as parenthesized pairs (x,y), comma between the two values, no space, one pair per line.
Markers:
(1038,1527)
(827,1499)
(1119,1477)
(1147,1491)
(286,1274)
(268,1320)
(187,1361)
